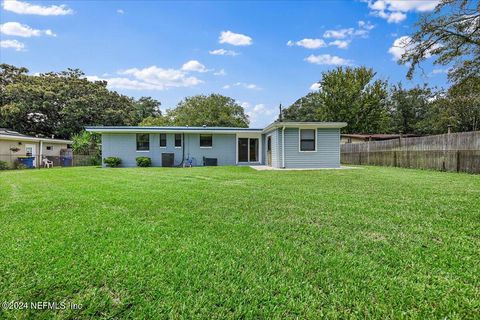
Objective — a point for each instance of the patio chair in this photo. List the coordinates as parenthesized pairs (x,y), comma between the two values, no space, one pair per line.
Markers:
(47,163)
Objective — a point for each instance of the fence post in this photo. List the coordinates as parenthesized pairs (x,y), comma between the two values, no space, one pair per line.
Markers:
(394,158)
(368,151)
(458,160)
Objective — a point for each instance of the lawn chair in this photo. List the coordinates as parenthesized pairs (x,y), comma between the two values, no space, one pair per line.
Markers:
(47,163)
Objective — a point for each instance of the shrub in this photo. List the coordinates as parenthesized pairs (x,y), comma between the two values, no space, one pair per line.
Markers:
(18,165)
(144,162)
(4,165)
(112,161)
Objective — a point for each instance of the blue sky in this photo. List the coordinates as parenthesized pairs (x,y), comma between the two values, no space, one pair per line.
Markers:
(259,53)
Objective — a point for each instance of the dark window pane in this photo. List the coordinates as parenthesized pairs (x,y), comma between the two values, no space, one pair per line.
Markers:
(163,139)
(308,134)
(307,140)
(206,140)
(178,140)
(307,145)
(253,150)
(143,141)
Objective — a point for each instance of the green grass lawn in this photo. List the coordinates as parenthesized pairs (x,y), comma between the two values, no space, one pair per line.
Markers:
(231,242)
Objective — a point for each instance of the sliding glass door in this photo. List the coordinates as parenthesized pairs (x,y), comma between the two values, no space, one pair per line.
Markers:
(248,150)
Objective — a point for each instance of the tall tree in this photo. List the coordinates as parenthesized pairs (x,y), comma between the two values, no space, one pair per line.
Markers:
(452,34)
(146,107)
(214,110)
(346,94)
(61,103)
(409,108)
(459,108)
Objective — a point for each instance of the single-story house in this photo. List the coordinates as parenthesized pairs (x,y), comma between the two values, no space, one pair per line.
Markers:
(15,146)
(279,145)
(361,138)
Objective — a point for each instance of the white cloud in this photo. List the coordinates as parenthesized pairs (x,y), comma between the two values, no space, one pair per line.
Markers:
(120,11)
(22,30)
(250,86)
(220,72)
(194,65)
(235,39)
(14,44)
(327,59)
(308,43)
(394,11)
(223,52)
(439,71)
(404,43)
(342,44)
(150,78)
(362,31)
(260,115)
(315,86)
(400,45)
(21,7)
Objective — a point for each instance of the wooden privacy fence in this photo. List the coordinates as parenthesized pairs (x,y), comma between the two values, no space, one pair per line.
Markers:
(459,152)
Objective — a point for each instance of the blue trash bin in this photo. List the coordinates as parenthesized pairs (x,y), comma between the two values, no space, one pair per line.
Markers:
(66,161)
(27,161)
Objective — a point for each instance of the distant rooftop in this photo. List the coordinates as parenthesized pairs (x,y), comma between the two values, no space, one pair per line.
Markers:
(10,135)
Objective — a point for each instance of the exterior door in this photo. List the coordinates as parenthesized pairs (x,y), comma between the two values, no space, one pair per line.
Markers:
(31,151)
(242,149)
(269,150)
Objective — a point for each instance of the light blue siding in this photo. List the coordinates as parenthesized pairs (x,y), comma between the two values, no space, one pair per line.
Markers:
(123,145)
(276,148)
(327,154)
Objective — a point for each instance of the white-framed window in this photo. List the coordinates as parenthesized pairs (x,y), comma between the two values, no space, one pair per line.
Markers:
(308,140)
(163,140)
(178,140)
(143,142)
(206,140)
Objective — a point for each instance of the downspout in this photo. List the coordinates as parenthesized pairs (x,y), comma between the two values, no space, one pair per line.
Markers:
(283,147)
(41,155)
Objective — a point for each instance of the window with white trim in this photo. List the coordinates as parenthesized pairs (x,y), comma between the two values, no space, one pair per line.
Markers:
(163,140)
(178,140)
(143,142)
(206,141)
(307,140)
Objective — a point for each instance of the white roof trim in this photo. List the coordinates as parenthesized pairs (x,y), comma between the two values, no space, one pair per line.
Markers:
(313,125)
(150,130)
(19,138)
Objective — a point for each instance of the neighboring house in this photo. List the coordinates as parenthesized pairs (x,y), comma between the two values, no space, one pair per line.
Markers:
(280,145)
(361,138)
(14,145)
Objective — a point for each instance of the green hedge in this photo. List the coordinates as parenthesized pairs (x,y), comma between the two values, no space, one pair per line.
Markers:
(112,161)
(144,162)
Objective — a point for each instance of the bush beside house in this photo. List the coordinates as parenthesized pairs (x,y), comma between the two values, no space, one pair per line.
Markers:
(112,161)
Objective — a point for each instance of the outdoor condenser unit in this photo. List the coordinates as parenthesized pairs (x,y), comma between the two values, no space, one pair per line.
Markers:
(168,159)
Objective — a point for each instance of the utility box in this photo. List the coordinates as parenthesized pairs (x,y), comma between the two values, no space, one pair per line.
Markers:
(210,162)
(168,159)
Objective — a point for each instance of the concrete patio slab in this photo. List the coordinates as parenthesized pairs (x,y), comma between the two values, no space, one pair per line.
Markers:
(262,168)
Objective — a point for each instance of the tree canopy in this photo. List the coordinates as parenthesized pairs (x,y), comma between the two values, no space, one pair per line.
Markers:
(213,110)
(452,34)
(62,103)
(351,95)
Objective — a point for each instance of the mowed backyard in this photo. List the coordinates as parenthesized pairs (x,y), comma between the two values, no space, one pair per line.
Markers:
(231,242)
